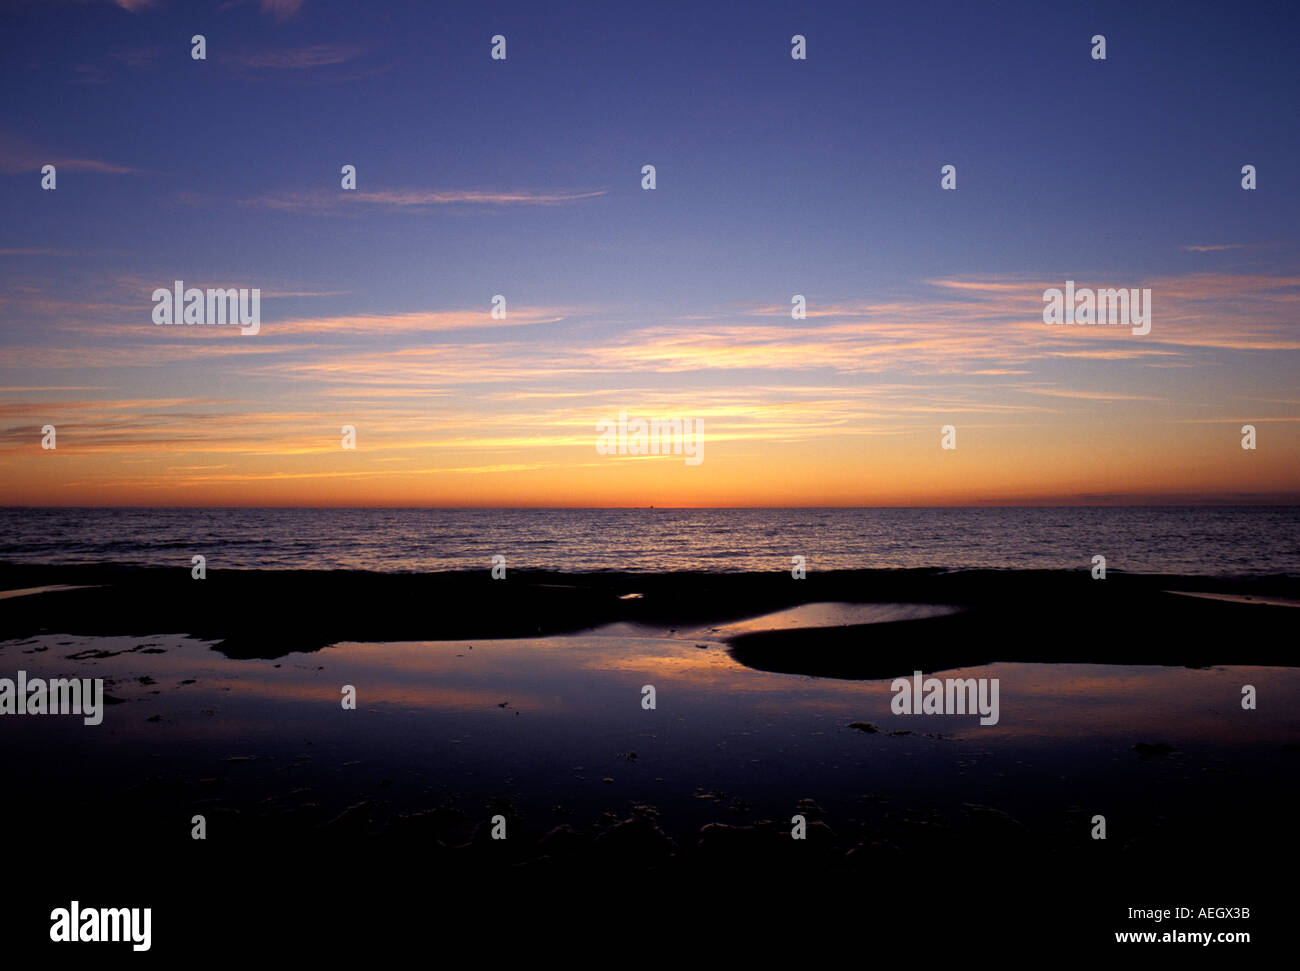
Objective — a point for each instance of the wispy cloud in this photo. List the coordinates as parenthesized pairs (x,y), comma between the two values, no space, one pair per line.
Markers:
(270,294)
(1087,395)
(415,199)
(17,155)
(438,320)
(133,58)
(275,9)
(301,58)
(93,165)
(974,325)
(136,57)
(281,9)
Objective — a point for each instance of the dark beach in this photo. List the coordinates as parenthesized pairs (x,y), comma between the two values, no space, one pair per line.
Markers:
(521,699)
(1006,615)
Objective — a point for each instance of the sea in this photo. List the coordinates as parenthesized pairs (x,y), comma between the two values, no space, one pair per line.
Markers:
(1221,541)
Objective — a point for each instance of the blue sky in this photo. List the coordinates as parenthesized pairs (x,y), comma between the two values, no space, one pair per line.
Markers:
(775,176)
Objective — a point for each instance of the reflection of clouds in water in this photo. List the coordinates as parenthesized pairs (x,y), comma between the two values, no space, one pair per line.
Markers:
(835,615)
(586,681)
(1068,702)
(1240,598)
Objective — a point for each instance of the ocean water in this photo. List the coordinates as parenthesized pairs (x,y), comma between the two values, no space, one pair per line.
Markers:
(1189,540)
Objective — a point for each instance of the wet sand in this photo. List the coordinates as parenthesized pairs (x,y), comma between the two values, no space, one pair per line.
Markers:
(760,715)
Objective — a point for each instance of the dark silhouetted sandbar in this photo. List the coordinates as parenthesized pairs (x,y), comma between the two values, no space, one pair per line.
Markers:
(1003,616)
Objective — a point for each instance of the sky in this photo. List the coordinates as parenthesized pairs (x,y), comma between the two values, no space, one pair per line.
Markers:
(523,177)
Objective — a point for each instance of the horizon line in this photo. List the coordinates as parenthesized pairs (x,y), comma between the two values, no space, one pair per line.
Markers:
(1166,504)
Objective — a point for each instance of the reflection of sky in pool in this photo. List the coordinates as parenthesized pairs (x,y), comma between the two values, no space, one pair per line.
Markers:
(836,615)
(545,721)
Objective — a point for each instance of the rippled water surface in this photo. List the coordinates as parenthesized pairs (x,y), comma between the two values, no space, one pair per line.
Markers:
(1222,541)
